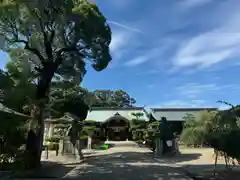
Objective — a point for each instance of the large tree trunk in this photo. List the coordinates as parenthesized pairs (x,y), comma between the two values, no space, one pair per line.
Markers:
(35,138)
(35,135)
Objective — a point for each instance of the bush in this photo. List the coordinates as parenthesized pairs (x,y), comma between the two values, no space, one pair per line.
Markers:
(53,146)
(12,137)
(139,141)
(192,136)
(53,139)
(138,134)
(90,123)
(84,137)
(226,142)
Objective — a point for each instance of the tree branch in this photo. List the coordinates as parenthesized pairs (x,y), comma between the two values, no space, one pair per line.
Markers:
(33,50)
(47,41)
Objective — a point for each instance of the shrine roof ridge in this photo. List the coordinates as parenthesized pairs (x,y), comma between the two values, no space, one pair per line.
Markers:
(116,108)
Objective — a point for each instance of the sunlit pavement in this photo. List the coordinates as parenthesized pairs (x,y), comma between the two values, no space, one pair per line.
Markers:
(125,163)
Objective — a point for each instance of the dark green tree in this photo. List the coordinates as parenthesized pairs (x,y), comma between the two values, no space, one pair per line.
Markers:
(67,97)
(108,98)
(58,38)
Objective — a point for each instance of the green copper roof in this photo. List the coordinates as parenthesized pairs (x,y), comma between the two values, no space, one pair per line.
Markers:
(102,114)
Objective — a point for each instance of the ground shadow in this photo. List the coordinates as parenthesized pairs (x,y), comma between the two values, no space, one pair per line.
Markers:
(125,166)
(178,158)
(48,169)
(149,156)
(206,172)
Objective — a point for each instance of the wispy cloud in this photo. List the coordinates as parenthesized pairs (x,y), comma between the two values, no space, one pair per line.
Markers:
(209,48)
(119,39)
(148,72)
(194,3)
(154,55)
(125,27)
(150,86)
(181,104)
(137,61)
(194,90)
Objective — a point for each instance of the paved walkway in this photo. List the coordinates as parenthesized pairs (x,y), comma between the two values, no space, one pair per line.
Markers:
(125,163)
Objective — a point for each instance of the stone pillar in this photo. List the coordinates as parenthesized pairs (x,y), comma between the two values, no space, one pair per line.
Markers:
(89,143)
(159,147)
(61,146)
(50,131)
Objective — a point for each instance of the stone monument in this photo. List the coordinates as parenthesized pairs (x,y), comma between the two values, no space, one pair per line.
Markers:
(165,142)
(71,145)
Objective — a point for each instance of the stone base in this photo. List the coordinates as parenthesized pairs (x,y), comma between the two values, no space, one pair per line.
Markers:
(66,148)
(159,151)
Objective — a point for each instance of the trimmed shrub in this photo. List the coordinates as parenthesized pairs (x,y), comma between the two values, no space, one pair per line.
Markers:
(192,136)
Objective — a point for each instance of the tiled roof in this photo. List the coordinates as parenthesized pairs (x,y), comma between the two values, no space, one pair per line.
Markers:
(183,109)
(116,108)
(177,114)
(102,114)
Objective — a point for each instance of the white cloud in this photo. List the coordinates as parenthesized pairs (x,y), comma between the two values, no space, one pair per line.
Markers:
(194,90)
(125,27)
(119,39)
(137,61)
(208,48)
(153,55)
(216,45)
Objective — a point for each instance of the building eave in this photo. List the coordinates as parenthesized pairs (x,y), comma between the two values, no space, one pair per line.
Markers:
(116,108)
(183,109)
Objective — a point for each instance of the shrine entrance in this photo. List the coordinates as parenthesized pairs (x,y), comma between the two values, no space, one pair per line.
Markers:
(117,128)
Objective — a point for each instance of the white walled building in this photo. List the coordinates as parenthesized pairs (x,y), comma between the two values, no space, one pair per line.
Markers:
(173,115)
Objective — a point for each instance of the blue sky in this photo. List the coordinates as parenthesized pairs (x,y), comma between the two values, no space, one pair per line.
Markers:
(172,53)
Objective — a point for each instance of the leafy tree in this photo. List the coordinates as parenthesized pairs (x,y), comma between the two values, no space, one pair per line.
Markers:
(196,128)
(123,99)
(107,98)
(15,94)
(67,97)
(57,37)
(137,115)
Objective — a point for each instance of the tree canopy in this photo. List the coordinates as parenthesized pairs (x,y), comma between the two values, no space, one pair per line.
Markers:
(52,39)
(108,98)
(67,97)
(56,37)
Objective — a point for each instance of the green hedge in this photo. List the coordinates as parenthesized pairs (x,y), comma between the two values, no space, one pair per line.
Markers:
(53,139)
(84,137)
(227,142)
(53,146)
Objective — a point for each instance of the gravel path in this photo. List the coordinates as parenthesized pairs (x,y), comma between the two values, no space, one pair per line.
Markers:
(125,163)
